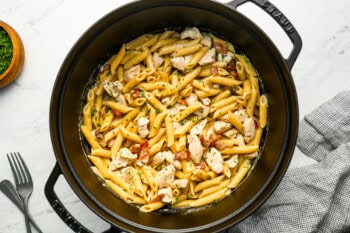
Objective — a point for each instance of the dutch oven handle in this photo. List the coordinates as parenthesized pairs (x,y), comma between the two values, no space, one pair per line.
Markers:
(60,209)
(286,25)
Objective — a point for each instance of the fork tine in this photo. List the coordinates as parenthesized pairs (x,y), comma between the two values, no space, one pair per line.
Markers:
(20,169)
(13,168)
(25,170)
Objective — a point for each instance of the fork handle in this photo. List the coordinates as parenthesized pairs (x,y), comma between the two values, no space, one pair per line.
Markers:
(26,214)
(9,190)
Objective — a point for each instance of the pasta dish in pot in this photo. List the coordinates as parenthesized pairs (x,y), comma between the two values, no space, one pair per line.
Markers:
(174,119)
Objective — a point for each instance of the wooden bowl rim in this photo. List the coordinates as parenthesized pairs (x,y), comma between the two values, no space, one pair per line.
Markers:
(16,65)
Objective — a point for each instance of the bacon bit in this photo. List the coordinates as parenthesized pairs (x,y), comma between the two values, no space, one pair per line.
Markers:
(205,142)
(103,111)
(135,149)
(214,70)
(182,101)
(220,145)
(211,142)
(158,198)
(185,154)
(105,68)
(117,113)
(98,134)
(136,94)
(257,125)
(231,66)
(144,152)
(220,48)
(200,166)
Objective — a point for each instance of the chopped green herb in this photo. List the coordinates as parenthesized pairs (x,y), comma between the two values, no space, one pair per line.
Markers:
(6,50)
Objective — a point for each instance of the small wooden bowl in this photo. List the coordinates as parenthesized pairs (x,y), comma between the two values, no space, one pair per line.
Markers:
(16,65)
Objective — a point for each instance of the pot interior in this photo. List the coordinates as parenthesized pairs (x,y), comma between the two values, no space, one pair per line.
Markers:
(123,25)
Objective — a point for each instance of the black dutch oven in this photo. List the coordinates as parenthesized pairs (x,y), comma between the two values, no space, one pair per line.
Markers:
(123,25)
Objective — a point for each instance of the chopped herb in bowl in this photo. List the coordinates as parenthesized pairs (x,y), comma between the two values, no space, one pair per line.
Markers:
(6,50)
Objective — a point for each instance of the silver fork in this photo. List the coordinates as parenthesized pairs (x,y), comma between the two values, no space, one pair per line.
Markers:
(23,180)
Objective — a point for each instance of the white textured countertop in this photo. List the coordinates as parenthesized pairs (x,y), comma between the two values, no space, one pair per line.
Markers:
(50,28)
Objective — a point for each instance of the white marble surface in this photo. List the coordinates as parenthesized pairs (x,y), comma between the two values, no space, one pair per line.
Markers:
(50,28)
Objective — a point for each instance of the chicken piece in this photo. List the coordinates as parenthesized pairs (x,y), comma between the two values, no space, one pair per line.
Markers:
(166,101)
(126,153)
(214,160)
(118,162)
(221,126)
(132,72)
(157,60)
(169,157)
(226,58)
(206,101)
(166,176)
(202,112)
(176,109)
(166,194)
(206,41)
(232,162)
(231,133)
(198,128)
(180,62)
(113,88)
(192,33)
(180,183)
(240,114)
(208,58)
(240,140)
(158,159)
(252,155)
(121,99)
(142,127)
(195,147)
(249,129)
(126,174)
(191,99)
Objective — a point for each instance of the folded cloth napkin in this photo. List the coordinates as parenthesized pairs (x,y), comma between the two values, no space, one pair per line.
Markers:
(313,198)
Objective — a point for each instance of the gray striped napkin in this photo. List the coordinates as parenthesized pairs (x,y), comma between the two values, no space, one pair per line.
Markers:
(313,198)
